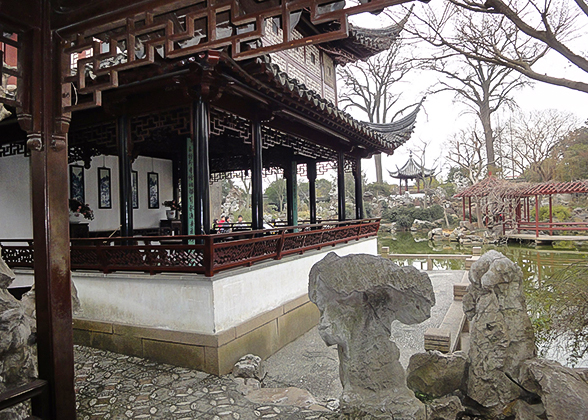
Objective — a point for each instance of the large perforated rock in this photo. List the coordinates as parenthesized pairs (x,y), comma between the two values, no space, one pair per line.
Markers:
(358,297)
(501,334)
(436,374)
(17,358)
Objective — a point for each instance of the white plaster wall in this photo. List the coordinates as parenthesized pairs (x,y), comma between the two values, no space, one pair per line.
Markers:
(143,217)
(194,303)
(169,301)
(15,198)
(242,294)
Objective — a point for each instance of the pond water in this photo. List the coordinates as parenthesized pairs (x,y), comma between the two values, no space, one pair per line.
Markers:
(551,275)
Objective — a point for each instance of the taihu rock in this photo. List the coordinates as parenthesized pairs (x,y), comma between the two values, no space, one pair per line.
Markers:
(563,391)
(446,408)
(501,334)
(358,297)
(17,358)
(436,374)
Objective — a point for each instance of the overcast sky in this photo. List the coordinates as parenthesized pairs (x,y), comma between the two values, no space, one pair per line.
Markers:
(441,116)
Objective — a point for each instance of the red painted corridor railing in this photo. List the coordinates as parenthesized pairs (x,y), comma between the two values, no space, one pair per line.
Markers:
(204,254)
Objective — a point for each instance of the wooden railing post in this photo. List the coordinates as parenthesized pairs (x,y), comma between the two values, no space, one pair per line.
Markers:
(208,256)
(280,245)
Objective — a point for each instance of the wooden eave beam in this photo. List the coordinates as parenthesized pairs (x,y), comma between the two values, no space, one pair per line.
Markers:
(83,15)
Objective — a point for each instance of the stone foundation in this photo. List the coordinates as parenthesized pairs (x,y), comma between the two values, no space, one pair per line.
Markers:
(213,353)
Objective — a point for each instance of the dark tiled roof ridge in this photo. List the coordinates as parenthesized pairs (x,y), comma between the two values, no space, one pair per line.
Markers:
(411,169)
(298,90)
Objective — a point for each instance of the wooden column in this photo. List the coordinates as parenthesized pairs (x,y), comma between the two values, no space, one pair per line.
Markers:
(536,216)
(470,208)
(290,174)
(311,173)
(124,177)
(550,216)
(341,185)
(463,208)
(256,176)
(201,128)
(358,190)
(47,128)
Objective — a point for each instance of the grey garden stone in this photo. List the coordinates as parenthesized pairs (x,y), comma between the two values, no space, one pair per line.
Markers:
(358,297)
(563,391)
(17,358)
(521,410)
(249,366)
(446,408)
(6,274)
(501,334)
(436,374)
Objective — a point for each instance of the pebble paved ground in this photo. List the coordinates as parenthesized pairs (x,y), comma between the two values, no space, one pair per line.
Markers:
(115,386)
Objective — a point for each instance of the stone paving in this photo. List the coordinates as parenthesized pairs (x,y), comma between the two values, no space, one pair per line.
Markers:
(115,386)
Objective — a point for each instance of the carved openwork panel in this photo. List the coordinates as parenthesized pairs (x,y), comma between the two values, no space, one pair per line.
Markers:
(13,149)
(294,242)
(160,126)
(18,256)
(224,123)
(176,257)
(228,253)
(183,28)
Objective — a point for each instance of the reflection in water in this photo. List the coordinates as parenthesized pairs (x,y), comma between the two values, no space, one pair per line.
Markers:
(543,268)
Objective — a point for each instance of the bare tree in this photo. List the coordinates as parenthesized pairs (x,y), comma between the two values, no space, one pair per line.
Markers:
(483,87)
(368,86)
(535,137)
(516,34)
(466,149)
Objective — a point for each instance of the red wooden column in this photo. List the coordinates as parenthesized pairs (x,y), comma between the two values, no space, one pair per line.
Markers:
(550,217)
(47,139)
(470,208)
(463,208)
(536,216)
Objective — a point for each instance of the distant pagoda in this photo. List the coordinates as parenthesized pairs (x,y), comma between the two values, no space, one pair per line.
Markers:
(413,171)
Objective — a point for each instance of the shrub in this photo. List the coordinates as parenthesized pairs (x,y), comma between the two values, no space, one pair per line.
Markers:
(561,213)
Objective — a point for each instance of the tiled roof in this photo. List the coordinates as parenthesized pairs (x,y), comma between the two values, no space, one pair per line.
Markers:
(378,139)
(411,170)
(398,132)
(363,43)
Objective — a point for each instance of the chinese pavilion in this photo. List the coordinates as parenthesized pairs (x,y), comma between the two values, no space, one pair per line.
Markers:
(126,104)
(413,171)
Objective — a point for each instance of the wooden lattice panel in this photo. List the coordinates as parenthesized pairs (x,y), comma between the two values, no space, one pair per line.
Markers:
(183,28)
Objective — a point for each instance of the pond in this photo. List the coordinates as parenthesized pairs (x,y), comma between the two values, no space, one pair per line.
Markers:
(555,280)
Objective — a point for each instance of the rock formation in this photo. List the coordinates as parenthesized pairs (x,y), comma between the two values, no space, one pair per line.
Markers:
(501,334)
(436,374)
(563,391)
(17,359)
(358,297)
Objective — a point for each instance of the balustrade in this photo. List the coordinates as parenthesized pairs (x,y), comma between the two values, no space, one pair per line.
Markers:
(202,254)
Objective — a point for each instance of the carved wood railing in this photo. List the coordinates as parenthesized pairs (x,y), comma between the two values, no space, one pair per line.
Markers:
(203,254)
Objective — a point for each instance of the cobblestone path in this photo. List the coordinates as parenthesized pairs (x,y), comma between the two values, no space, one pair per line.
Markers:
(115,386)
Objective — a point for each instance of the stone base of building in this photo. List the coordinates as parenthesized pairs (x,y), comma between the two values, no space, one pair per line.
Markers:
(216,353)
